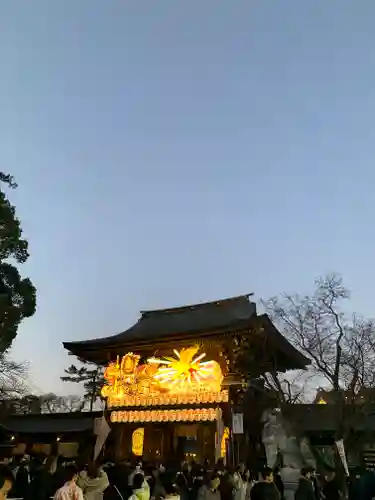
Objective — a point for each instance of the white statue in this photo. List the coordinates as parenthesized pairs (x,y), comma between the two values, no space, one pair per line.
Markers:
(276,440)
(270,436)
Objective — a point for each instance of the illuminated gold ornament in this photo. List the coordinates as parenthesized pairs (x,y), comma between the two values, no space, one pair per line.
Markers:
(126,378)
(223,444)
(322,401)
(186,378)
(187,369)
(137,441)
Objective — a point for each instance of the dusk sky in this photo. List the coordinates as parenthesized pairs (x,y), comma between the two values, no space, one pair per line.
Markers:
(171,152)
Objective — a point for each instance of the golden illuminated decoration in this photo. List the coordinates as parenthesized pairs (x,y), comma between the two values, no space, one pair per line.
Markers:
(172,399)
(138,437)
(183,415)
(129,379)
(187,370)
(322,401)
(223,444)
(184,379)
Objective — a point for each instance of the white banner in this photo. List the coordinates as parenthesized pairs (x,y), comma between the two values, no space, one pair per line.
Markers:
(101,429)
(237,423)
(341,452)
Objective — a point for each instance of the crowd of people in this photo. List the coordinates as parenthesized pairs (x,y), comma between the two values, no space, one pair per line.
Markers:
(59,479)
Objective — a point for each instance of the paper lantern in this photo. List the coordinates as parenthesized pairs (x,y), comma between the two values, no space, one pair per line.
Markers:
(137,441)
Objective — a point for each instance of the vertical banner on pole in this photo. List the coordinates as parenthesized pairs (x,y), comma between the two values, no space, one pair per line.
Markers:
(341,452)
(237,429)
(101,430)
(237,423)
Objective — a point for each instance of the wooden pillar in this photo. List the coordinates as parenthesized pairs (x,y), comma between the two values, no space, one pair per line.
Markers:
(168,450)
(211,445)
(122,440)
(201,437)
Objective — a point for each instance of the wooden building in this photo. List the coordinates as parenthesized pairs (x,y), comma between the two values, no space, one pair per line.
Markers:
(177,376)
(66,434)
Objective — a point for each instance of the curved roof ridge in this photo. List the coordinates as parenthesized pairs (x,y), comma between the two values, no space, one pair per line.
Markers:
(195,306)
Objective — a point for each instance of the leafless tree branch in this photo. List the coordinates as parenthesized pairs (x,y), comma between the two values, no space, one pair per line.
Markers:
(341,348)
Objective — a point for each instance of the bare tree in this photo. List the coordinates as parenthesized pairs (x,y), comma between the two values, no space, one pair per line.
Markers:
(341,348)
(358,356)
(46,403)
(24,405)
(51,403)
(73,403)
(13,378)
(288,389)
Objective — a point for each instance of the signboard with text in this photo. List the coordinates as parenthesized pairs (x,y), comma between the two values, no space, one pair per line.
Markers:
(237,423)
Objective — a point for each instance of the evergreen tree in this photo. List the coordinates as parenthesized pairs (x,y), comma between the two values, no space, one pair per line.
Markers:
(92,379)
(17,294)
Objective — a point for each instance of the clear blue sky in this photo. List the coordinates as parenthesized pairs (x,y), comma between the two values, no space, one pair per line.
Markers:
(170,152)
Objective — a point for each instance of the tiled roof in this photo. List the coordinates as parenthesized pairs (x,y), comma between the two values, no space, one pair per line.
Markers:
(190,323)
(158,324)
(49,423)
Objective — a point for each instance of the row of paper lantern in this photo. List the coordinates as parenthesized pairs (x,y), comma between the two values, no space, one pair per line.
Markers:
(184,415)
(194,398)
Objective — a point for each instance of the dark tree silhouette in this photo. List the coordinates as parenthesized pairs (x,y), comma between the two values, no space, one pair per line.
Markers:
(17,294)
(91,378)
(341,347)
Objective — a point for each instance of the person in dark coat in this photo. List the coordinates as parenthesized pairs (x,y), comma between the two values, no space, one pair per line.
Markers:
(331,488)
(265,489)
(182,487)
(316,485)
(41,484)
(364,487)
(279,482)
(156,483)
(226,487)
(119,478)
(305,489)
(22,481)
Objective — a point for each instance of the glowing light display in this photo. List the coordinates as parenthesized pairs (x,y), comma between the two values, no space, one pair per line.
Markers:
(183,415)
(322,401)
(130,379)
(138,438)
(171,399)
(186,370)
(186,378)
(223,444)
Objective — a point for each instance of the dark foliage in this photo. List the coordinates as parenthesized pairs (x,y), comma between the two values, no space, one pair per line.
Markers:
(91,378)
(17,294)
